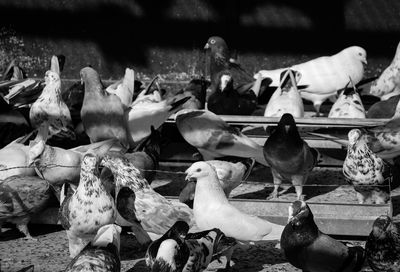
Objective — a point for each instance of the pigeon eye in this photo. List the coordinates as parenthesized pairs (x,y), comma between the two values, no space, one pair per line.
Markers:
(198,170)
(212,41)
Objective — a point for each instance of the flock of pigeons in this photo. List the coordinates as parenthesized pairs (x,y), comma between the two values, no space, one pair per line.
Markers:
(105,184)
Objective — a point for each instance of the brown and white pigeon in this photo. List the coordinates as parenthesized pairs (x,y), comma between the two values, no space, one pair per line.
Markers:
(100,254)
(22,198)
(103,114)
(369,174)
(50,109)
(322,77)
(348,105)
(214,138)
(309,249)
(88,209)
(289,156)
(388,83)
(286,98)
(178,250)
(383,245)
(230,175)
(138,205)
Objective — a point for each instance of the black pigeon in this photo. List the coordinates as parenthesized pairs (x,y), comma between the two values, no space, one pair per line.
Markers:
(307,248)
(225,99)
(289,155)
(383,245)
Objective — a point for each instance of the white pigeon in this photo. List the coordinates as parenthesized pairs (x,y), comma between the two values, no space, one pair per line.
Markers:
(324,76)
(348,105)
(212,209)
(124,88)
(388,83)
(214,138)
(286,98)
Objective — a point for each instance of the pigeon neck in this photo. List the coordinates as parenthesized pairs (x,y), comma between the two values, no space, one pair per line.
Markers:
(129,177)
(208,189)
(89,182)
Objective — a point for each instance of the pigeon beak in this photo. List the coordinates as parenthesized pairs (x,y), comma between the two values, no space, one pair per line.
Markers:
(365,61)
(206,46)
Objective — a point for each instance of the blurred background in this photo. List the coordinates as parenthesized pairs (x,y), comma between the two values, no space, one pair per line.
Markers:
(167,37)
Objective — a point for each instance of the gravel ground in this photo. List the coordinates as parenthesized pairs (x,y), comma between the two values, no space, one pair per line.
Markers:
(50,252)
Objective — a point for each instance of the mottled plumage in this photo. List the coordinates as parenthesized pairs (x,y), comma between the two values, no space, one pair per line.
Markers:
(383,245)
(144,206)
(212,209)
(348,105)
(101,254)
(362,168)
(289,156)
(322,77)
(230,176)
(50,109)
(102,114)
(88,209)
(191,252)
(309,249)
(214,138)
(286,98)
(21,198)
(388,84)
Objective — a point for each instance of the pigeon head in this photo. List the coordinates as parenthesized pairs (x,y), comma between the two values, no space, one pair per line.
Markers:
(199,170)
(217,45)
(179,230)
(381,226)
(354,135)
(90,78)
(299,212)
(356,52)
(51,77)
(108,234)
(287,125)
(90,162)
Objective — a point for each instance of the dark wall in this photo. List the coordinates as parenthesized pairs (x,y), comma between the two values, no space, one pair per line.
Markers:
(167,36)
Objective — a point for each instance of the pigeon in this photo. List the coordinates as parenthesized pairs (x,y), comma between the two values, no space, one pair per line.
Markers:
(88,209)
(388,84)
(101,254)
(220,61)
(124,88)
(289,156)
(139,206)
(369,174)
(322,77)
(224,99)
(309,249)
(15,158)
(102,114)
(50,110)
(57,63)
(177,232)
(13,72)
(286,98)
(58,165)
(230,175)
(214,138)
(212,209)
(389,108)
(348,105)
(178,250)
(383,245)
(22,198)
(151,110)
